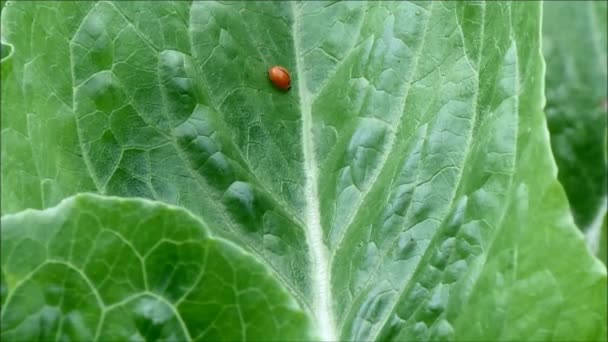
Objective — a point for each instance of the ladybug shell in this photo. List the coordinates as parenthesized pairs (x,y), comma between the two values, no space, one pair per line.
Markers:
(280,77)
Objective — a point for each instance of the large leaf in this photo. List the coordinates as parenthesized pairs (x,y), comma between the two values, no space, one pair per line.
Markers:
(104,269)
(577,105)
(404,189)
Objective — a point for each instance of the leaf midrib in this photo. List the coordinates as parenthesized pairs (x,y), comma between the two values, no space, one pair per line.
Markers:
(319,262)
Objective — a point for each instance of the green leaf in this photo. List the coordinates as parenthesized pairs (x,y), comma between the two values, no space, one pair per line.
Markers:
(5,50)
(577,105)
(603,241)
(111,269)
(41,155)
(403,189)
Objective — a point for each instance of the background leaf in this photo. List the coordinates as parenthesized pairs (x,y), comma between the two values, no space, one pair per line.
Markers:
(603,242)
(577,105)
(109,269)
(404,189)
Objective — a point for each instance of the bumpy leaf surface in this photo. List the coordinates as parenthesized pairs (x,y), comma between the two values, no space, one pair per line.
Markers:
(403,189)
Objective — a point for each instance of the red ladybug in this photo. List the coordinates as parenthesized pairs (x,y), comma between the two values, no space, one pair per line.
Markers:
(280,77)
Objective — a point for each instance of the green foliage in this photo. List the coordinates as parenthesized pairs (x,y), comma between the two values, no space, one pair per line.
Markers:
(577,96)
(111,269)
(403,189)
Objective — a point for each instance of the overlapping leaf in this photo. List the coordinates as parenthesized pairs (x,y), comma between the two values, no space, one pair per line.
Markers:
(108,269)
